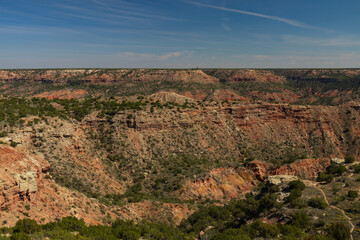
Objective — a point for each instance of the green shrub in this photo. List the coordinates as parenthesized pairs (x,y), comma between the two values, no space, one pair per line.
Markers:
(232,234)
(350,159)
(337,169)
(300,220)
(27,226)
(294,194)
(356,168)
(67,223)
(352,194)
(324,177)
(317,203)
(298,203)
(20,236)
(297,184)
(13,144)
(339,231)
(3,134)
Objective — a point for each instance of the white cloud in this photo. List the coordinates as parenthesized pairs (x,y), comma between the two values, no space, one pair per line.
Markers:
(145,56)
(276,18)
(170,55)
(226,27)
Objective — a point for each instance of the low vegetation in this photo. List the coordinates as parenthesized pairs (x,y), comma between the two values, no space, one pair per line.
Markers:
(240,219)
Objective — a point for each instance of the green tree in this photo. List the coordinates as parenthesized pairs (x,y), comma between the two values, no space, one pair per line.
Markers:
(339,231)
(349,159)
(20,236)
(324,177)
(297,184)
(27,226)
(300,220)
(352,194)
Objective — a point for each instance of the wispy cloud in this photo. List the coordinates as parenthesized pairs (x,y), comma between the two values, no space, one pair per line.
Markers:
(226,27)
(103,12)
(154,56)
(170,55)
(98,2)
(275,18)
(33,30)
(342,41)
(99,16)
(141,14)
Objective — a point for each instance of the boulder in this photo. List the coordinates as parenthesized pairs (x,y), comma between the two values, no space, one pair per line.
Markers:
(281,179)
(338,160)
(27,183)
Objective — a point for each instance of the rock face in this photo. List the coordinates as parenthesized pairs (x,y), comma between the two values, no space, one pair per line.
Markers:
(27,184)
(259,169)
(256,75)
(63,94)
(305,168)
(222,183)
(17,182)
(281,179)
(164,97)
(245,75)
(25,191)
(230,183)
(338,160)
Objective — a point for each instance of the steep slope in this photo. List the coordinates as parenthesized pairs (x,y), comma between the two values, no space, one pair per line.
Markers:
(28,191)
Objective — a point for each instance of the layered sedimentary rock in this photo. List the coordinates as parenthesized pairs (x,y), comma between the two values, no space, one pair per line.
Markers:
(305,169)
(108,76)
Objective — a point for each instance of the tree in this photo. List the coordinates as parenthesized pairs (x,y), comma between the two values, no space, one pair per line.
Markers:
(300,220)
(297,184)
(323,177)
(337,169)
(339,231)
(20,236)
(27,226)
(349,159)
(352,194)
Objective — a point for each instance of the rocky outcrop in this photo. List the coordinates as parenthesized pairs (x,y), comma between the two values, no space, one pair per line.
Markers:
(26,190)
(27,184)
(245,75)
(63,94)
(164,97)
(17,182)
(256,75)
(305,168)
(230,183)
(338,160)
(155,211)
(281,179)
(228,95)
(221,183)
(259,169)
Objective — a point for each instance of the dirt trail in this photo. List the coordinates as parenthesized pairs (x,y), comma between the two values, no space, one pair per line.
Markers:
(316,185)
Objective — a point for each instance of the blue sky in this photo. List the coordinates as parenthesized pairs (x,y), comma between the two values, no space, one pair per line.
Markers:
(179,33)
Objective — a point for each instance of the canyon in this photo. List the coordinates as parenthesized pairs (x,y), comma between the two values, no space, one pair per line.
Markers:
(185,138)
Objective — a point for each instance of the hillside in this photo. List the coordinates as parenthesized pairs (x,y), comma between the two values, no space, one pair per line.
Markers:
(163,145)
